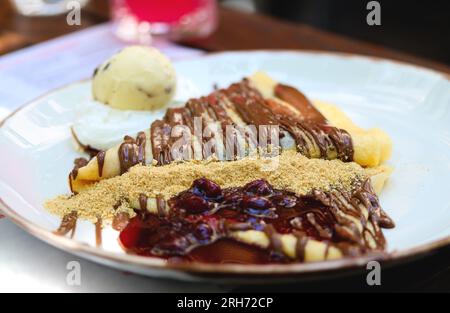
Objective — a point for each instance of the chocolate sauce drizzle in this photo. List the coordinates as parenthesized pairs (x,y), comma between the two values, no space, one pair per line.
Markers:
(132,152)
(98,232)
(161,206)
(300,102)
(77,164)
(68,225)
(313,137)
(199,223)
(101,162)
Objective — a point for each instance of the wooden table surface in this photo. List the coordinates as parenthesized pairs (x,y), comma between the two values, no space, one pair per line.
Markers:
(236,31)
(240,31)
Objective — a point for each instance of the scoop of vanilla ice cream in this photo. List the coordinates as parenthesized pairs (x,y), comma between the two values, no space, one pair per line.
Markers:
(136,78)
(101,127)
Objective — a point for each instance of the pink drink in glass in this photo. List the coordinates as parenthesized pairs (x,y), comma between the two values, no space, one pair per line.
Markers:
(137,20)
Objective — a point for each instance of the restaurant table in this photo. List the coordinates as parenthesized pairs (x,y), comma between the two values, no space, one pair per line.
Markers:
(27,264)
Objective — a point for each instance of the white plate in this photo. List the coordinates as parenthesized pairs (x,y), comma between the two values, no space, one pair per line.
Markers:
(412,104)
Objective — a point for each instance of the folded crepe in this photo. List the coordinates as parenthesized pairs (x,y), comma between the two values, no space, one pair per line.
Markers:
(246,110)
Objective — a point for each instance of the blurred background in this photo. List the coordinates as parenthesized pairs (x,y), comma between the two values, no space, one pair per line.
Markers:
(417,27)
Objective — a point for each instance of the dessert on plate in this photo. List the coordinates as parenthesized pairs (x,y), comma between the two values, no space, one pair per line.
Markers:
(253,173)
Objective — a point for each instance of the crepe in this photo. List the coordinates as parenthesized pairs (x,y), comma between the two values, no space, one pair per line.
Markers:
(315,129)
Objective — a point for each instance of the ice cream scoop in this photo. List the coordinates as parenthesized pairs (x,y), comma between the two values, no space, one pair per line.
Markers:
(101,127)
(136,78)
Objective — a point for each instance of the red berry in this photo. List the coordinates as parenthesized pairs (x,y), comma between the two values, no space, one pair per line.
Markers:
(259,187)
(256,203)
(203,232)
(206,187)
(193,204)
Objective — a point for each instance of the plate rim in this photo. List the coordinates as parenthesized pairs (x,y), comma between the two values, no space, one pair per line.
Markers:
(151,263)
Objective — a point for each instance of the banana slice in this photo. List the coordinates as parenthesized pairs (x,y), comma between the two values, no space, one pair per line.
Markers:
(313,250)
(107,164)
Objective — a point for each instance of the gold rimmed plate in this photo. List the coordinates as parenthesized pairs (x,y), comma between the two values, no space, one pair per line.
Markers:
(412,104)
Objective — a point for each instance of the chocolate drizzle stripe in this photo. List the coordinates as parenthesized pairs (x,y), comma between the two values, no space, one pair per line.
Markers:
(68,225)
(132,152)
(160,137)
(143,200)
(274,238)
(327,251)
(98,232)
(300,246)
(101,162)
(161,206)
(78,163)
(300,102)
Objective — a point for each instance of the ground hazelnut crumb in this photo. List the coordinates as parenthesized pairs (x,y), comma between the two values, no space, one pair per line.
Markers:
(290,171)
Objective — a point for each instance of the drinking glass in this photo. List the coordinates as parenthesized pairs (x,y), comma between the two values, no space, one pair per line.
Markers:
(138,20)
